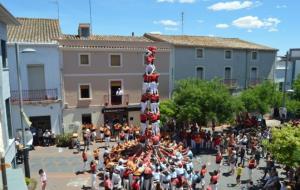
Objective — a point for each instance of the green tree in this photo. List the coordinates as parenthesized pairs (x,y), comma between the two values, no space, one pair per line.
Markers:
(202,101)
(296,88)
(167,110)
(261,97)
(285,145)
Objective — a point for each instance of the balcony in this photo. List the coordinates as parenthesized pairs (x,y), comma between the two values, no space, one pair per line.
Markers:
(254,81)
(115,100)
(231,83)
(35,95)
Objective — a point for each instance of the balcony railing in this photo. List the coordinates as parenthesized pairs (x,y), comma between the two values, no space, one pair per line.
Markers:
(115,100)
(232,83)
(35,95)
(254,81)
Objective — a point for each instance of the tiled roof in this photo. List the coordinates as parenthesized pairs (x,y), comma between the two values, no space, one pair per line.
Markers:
(205,41)
(109,38)
(34,30)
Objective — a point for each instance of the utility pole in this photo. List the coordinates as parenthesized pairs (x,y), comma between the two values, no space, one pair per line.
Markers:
(90,4)
(285,78)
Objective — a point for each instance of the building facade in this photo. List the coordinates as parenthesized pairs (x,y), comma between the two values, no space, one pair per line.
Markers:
(15,177)
(239,64)
(97,68)
(39,71)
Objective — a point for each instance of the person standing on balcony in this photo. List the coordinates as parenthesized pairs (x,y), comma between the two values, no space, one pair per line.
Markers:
(119,92)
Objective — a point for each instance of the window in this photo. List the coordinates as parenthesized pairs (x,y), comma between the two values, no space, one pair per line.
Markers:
(4,53)
(254,55)
(8,118)
(115,88)
(86,118)
(228,54)
(200,73)
(115,60)
(227,73)
(85,91)
(84,59)
(199,53)
(253,74)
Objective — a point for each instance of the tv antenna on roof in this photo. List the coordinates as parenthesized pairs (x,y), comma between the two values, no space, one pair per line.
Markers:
(182,18)
(90,4)
(57,6)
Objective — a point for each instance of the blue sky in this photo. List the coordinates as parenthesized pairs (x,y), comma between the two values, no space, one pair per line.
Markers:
(270,22)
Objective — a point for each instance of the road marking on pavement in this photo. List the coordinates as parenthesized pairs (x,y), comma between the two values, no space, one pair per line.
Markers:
(79,182)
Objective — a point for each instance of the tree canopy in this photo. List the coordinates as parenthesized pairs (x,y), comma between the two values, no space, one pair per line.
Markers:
(261,97)
(200,101)
(285,145)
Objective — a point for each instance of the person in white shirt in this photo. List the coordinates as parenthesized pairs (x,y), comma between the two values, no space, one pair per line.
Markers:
(43,179)
(119,92)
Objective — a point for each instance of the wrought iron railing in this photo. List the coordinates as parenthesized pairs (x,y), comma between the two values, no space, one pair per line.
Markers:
(232,83)
(113,100)
(35,95)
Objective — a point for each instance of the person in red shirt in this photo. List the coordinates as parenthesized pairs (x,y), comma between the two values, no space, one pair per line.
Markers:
(219,159)
(203,172)
(146,82)
(84,159)
(126,174)
(136,184)
(154,100)
(214,180)
(144,102)
(93,168)
(143,118)
(107,183)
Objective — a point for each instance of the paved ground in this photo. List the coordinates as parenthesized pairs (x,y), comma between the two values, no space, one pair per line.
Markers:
(61,165)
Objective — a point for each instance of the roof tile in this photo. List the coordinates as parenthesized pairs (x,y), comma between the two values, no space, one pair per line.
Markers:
(206,41)
(35,30)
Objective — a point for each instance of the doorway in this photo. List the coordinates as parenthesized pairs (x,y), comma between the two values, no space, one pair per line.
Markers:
(41,122)
(115,86)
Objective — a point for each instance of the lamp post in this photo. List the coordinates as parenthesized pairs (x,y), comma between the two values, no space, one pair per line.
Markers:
(286,58)
(25,149)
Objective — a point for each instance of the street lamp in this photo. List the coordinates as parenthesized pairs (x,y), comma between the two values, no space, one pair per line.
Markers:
(285,58)
(25,149)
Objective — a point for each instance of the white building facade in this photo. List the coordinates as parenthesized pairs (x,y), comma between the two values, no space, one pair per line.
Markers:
(40,73)
(15,177)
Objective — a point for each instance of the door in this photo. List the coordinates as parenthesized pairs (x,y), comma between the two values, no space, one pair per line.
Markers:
(227,73)
(41,122)
(253,74)
(36,77)
(116,99)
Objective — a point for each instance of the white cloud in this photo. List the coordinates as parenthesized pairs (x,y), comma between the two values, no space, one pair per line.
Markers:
(281,6)
(166,22)
(253,22)
(173,1)
(211,35)
(232,5)
(200,21)
(171,28)
(155,32)
(165,1)
(187,1)
(222,26)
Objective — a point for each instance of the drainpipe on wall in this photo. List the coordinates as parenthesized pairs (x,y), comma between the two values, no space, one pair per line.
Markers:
(3,172)
(246,70)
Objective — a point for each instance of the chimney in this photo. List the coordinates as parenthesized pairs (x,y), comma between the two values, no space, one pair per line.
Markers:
(132,33)
(84,30)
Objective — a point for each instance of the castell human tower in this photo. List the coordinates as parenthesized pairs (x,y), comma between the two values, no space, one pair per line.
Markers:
(150,97)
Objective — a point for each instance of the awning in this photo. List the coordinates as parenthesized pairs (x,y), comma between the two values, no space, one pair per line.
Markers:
(26,119)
